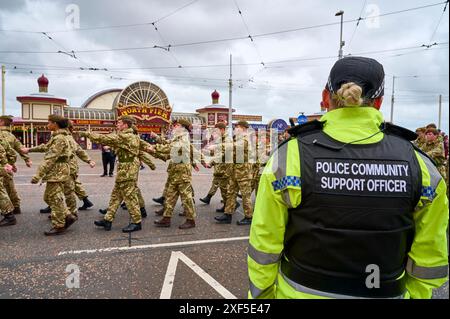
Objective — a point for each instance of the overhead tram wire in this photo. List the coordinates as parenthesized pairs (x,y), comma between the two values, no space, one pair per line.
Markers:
(422,47)
(249,33)
(105,27)
(245,37)
(439,22)
(357,24)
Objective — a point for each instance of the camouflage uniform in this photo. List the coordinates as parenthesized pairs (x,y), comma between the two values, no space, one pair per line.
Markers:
(8,180)
(179,175)
(126,144)
(215,183)
(435,150)
(147,160)
(222,171)
(241,176)
(55,171)
(6,155)
(70,187)
(263,157)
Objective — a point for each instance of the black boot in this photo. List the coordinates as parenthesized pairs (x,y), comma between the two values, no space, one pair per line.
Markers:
(221,210)
(8,220)
(103,223)
(131,228)
(124,206)
(143,212)
(244,221)
(46,210)
(103,211)
(159,200)
(223,219)
(86,204)
(206,199)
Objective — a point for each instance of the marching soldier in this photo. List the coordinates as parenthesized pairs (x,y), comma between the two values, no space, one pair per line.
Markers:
(222,170)
(145,158)
(5,134)
(55,171)
(126,143)
(6,207)
(435,149)
(241,178)
(79,189)
(180,176)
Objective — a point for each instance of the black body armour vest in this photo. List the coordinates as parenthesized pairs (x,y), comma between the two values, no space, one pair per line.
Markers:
(355,214)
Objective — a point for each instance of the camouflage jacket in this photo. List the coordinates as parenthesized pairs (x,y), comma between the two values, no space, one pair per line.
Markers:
(435,150)
(221,168)
(241,152)
(10,155)
(4,157)
(55,167)
(127,145)
(181,154)
(6,135)
(76,150)
(145,157)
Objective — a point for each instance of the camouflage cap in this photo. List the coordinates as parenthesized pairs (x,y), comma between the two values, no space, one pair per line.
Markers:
(7,119)
(128,119)
(243,124)
(61,121)
(221,125)
(421,130)
(432,125)
(185,123)
(432,130)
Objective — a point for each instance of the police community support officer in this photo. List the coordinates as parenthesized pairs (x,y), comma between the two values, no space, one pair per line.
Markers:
(346,198)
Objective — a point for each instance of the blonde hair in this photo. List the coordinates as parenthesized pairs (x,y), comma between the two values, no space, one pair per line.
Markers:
(348,95)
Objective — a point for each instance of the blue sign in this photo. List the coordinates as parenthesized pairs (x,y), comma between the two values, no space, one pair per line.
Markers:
(279,125)
(302,119)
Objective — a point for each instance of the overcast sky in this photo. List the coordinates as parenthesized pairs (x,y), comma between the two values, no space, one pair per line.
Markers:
(274,90)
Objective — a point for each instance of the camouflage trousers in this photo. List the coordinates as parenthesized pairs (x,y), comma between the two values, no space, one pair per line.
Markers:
(246,188)
(167,185)
(57,195)
(185,191)
(256,183)
(5,203)
(124,191)
(140,197)
(8,183)
(80,191)
(214,186)
(222,183)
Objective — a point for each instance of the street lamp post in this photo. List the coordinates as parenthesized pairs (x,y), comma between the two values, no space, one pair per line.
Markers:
(341,42)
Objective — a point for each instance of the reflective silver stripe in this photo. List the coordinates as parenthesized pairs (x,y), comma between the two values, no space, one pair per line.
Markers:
(281,172)
(263,258)
(435,176)
(314,292)
(426,272)
(255,291)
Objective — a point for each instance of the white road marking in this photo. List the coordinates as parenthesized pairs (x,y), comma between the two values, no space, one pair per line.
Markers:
(140,247)
(166,291)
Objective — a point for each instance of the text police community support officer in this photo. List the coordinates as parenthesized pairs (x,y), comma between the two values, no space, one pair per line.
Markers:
(347,208)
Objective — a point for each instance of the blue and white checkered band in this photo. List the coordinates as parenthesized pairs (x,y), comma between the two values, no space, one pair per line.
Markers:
(428,192)
(286,181)
(378,91)
(330,87)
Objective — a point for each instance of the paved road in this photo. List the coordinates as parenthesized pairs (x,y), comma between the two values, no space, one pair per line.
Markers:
(35,266)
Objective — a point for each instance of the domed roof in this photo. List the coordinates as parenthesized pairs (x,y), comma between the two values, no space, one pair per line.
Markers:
(42,81)
(215,95)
